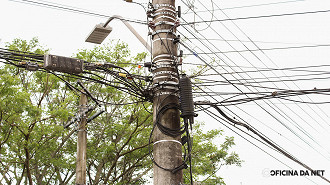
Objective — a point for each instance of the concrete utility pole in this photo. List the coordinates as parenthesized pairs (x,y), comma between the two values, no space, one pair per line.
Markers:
(81,143)
(167,150)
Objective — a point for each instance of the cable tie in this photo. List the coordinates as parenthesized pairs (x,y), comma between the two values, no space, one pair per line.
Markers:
(164,23)
(166,93)
(157,6)
(161,141)
(163,31)
(159,39)
(164,17)
(165,9)
(163,55)
(165,78)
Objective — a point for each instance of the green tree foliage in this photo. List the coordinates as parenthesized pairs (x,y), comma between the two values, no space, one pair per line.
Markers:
(36,149)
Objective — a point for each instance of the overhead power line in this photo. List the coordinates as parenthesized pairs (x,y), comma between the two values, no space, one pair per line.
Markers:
(271,143)
(258,17)
(248,6)
(263,49)
(278,111)
(72,9)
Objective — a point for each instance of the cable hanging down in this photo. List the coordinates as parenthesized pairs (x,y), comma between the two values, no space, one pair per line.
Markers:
(285,153)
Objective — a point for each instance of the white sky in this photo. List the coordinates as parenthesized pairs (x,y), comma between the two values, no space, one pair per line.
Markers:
(64,33)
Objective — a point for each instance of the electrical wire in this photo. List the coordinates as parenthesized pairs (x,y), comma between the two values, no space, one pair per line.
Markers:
(236,37)
(72,9)
(274,64)
(217,118)
(260,16)
(267,49)
(194,54)
(133,88)
(271,143)
(248,6)
(260,106)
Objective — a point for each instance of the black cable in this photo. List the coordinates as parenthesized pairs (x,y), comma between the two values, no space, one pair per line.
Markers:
(211,66)
(285,153)
(280,95)
(78,90)
(267,110)
(246,6)
(213,115)
(173,170)
(257,70)
(250,63)
(267,49)
(74,10)
(260,16)
(279,111)
(146,109)
(165,130)
(276,65)
(132,87)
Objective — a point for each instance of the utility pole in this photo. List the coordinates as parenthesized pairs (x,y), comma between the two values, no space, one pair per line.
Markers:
(167,149)
(81,143)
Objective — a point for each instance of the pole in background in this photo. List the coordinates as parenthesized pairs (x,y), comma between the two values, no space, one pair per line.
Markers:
(81,143)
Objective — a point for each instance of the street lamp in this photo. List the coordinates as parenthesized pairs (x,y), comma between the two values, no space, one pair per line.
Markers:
(101,31)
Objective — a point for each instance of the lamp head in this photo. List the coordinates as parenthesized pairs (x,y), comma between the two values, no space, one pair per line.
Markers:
(98,34)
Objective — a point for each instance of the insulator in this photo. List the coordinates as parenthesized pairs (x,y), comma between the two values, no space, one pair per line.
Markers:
(186,99)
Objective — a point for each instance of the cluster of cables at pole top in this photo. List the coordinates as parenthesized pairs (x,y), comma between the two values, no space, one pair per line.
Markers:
(65,68)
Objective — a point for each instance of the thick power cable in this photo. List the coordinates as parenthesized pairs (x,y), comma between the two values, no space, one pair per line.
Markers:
(285,153)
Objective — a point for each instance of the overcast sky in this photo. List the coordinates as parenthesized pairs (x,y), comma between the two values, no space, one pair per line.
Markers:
(64,33)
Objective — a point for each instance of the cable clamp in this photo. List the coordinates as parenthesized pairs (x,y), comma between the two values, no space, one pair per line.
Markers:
(157,6)
(166,93)
(165,13)
(177,23)
(152,25)
(166,87)
(161,141)
(165,17)
(163,31)
(163,61)
(159,39)
(164,23)
(162,66)
(204,102)
(166,78)
(166,83)
(177,39)
(166,72)
(163,55)
(165,9)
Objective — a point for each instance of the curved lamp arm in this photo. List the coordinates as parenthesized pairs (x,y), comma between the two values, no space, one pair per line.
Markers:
(101,31)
